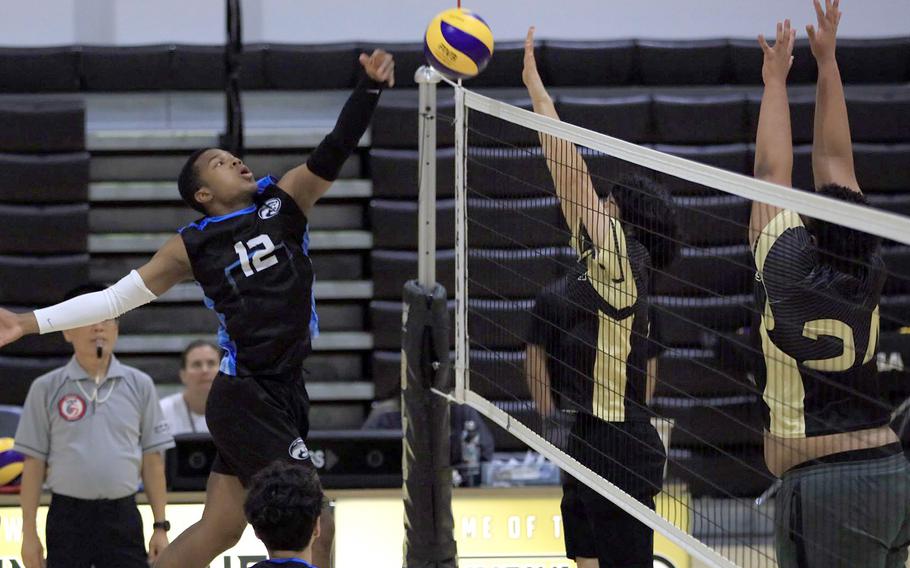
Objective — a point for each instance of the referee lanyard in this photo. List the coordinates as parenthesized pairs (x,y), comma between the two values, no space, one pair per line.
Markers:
(302,563)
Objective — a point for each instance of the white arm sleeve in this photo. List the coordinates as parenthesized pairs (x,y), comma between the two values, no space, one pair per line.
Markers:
(129,293)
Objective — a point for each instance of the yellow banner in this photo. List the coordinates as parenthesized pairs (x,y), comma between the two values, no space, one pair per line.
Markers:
(494,528)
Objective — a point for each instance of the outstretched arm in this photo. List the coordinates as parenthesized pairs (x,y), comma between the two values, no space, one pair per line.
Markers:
(169,266)
(773,141)
(309,182)
(832,149)
(577,198)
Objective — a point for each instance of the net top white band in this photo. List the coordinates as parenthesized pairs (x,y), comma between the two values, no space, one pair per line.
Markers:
(867,219)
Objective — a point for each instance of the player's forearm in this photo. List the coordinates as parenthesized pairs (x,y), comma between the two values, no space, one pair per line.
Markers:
(538,379)
(153,480)
(33,473)
(331,154)
(774,141)
(832,147)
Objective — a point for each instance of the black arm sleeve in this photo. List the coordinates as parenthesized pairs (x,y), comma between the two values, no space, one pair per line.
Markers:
(327,159)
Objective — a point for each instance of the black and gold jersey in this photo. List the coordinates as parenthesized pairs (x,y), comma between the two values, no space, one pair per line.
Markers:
(818,328)
(254,268)
(593,326)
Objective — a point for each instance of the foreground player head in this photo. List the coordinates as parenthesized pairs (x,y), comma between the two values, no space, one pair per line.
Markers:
(840,247)
(214,182)
(647,210)
(283,505)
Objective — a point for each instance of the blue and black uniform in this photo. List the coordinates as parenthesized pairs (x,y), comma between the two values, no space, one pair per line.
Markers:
(256,274)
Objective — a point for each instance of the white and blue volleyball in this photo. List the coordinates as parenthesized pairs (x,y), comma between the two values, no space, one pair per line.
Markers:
(458,43)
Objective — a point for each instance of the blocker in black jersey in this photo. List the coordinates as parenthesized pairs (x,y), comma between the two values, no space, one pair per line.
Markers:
(819,331)
(254,268)
(594,329)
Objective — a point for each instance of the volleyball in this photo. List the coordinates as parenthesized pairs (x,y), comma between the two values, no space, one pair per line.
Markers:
(458,43)
(10,462)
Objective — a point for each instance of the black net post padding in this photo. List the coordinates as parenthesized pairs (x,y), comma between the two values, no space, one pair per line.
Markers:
(232,139)
(429,525)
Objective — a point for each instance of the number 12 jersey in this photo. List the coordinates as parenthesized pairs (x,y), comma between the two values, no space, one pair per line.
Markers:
(254,268)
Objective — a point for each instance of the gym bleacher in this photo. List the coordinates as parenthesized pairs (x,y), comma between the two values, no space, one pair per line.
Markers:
(94,136)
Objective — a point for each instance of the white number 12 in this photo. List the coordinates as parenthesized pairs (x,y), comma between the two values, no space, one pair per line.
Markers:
(262,258)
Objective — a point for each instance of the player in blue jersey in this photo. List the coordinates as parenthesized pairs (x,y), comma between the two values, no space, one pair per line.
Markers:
(249,253)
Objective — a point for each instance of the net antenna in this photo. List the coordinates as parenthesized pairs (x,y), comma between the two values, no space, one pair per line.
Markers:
(471,107)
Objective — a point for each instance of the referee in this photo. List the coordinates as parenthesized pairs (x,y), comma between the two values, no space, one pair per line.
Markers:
(844,500)
(594,326)
(91,430)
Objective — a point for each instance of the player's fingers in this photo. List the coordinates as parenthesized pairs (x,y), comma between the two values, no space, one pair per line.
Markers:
(529,43)
(384,68)
(810,31)
(791,41)
(763,44)
(364,59)
(819,14)
(780,34)
(786,29)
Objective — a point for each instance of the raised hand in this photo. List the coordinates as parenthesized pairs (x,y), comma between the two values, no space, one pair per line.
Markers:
(379,66)
(529,74)
(822,40)
(778,59)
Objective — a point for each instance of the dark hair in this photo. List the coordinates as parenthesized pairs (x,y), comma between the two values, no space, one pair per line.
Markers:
(84,289)
(196,344)
(844,249)
(189,182)
(283,505)
(648,213)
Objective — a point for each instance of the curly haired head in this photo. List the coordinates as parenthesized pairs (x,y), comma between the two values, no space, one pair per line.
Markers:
(845,249)
(283,505)
(648,213)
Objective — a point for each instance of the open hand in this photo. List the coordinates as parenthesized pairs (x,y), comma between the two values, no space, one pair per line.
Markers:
(529,74)
(380,66)
(822,40)
(778,59)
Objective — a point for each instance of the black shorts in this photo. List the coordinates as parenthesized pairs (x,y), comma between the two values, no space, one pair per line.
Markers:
(629,455)
(255,421)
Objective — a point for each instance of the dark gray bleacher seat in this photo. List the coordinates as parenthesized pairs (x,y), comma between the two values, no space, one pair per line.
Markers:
(587,63)
(48,229)
(127,68)
(895,203)
(691,321)
(487,130)
(17,374)
(882,167)
(168,318)
(714,219)
(895,311)
(507,172)
(700,120)
(746,61)
(708,472)
(733,157)
(395,124)
(252,66)
(879,117)
(499,324)
(802,166)
(51,178)
(120,219)
(42,126)
(394,173)
(394,223)
(897,262)
(41,280)
(516,223)
(197,67)
(309,67)
(51,344)
(708,272)
(802,111)
(392,268)
(699,372)
(504,69)
(879,60)
(627,118)
(717,421)
(508,273)
(39,69)
(682,62)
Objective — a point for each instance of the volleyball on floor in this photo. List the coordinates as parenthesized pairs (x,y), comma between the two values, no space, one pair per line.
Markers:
(11,462)
(458,43)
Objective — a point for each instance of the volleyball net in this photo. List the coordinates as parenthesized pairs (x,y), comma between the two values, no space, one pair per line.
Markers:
(607,292)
